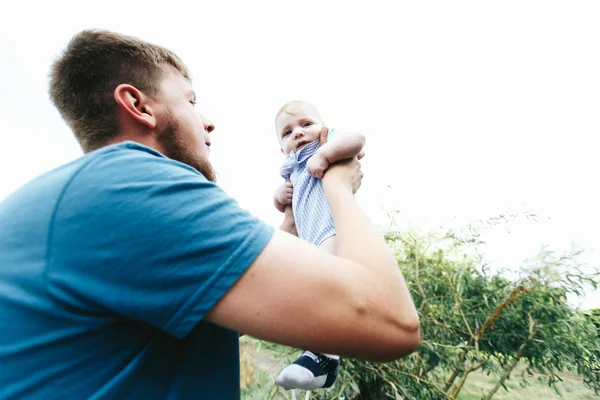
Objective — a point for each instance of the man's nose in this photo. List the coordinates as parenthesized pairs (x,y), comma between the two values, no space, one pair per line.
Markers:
(208,125)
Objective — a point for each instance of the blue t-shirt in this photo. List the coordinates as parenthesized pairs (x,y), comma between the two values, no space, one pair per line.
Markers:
(107,268)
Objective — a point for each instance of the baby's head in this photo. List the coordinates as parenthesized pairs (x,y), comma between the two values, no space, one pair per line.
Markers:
(297,123)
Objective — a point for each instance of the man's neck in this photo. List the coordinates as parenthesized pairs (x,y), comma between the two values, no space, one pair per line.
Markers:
(146,140)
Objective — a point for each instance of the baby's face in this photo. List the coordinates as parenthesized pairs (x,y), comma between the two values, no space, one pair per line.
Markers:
(297,126)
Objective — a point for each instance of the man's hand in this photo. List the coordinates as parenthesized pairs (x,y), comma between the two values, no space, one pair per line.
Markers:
(316,165)
(283,196)
(323,134)
(344,175)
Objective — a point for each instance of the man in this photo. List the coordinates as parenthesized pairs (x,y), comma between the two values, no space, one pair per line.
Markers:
(127,273)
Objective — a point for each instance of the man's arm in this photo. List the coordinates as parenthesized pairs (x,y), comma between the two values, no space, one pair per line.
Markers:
(354,304)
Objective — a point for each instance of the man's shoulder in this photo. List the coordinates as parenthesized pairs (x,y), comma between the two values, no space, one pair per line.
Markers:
(126,157)
(125,172)
(111,171)
(126,163)
(114,161)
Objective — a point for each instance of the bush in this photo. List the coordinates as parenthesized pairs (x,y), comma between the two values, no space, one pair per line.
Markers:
(474,319)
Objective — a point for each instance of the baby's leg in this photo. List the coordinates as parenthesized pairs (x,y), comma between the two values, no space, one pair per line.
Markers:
(328,244)
(312,370)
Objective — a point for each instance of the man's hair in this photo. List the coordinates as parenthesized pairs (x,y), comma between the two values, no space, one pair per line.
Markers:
(84,77)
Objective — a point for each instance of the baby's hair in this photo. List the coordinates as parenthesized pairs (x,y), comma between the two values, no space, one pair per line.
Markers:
(290,105)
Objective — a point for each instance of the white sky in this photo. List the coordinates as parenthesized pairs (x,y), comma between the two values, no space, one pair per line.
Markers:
(470,108)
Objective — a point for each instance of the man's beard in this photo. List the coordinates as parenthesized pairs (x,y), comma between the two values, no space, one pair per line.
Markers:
(177,149)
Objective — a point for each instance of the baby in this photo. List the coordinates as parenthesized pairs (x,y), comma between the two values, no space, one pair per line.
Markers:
(309,149)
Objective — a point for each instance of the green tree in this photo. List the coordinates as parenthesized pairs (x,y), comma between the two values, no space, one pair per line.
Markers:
(475,319)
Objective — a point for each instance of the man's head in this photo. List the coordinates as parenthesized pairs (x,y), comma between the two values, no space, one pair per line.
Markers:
(297,123)
(111,87)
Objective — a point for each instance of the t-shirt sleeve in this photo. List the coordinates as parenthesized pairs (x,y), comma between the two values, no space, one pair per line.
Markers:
(142,237)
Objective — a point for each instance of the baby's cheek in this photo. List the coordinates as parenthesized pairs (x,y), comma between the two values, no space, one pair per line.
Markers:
(315,133)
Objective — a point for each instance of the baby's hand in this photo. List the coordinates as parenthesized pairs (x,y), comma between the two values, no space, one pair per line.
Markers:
(316,165)
(283,194)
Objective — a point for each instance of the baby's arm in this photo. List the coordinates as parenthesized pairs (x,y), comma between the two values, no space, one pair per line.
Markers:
(283,196)
(282,199)
(342,145)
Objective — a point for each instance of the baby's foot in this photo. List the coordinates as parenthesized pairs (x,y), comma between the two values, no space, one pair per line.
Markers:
(309,372)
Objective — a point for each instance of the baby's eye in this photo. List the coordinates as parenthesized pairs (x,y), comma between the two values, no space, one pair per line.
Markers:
(306,124)
(287,133)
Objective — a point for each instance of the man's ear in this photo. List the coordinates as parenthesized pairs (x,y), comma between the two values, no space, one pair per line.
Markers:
(135,104)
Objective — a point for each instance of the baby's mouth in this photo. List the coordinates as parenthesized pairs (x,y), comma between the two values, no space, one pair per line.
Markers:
(301,143)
